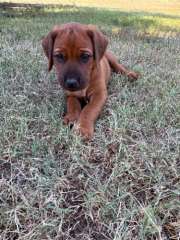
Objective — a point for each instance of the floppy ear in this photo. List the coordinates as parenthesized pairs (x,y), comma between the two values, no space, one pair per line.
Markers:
(48,44)
(99,42)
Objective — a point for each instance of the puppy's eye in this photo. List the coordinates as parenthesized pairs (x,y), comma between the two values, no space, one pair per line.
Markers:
(60,57)
(84,57)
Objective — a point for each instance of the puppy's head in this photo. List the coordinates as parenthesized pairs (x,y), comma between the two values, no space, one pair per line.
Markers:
(74,49)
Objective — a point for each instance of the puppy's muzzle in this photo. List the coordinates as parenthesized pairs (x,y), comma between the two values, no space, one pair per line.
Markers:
(72,84)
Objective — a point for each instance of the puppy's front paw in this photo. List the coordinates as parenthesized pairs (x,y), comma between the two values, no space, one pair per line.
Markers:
(132,75)
(85,131)
(70,118)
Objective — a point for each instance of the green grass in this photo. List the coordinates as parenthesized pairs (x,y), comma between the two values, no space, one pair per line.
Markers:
(124,184)
(156,6)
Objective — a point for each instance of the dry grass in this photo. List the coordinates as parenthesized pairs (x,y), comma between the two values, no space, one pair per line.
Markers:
(158,6)
(124,184)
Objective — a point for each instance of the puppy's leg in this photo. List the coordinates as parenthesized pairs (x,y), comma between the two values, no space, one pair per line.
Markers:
(73,110)
(119,68)
(89,114)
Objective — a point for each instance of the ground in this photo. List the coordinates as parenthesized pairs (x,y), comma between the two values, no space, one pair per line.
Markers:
(124,184)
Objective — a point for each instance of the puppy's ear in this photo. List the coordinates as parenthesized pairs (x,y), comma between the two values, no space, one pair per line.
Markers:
(99,42)
(48,45)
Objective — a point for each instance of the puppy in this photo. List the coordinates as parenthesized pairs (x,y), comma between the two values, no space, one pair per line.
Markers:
(83,68)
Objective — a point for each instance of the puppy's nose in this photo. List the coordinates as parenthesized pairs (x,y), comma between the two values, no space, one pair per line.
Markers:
(72,83)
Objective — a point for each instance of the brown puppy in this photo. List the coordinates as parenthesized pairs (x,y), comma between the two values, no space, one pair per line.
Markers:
(83,68)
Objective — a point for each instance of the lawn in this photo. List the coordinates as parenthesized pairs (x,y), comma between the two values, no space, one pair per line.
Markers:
(159,6)
(125,183)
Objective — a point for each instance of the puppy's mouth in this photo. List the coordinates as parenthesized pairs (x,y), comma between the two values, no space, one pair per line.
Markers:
(74,89)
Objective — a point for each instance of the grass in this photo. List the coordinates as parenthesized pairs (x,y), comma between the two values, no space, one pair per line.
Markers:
(157,6)
(124,184)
